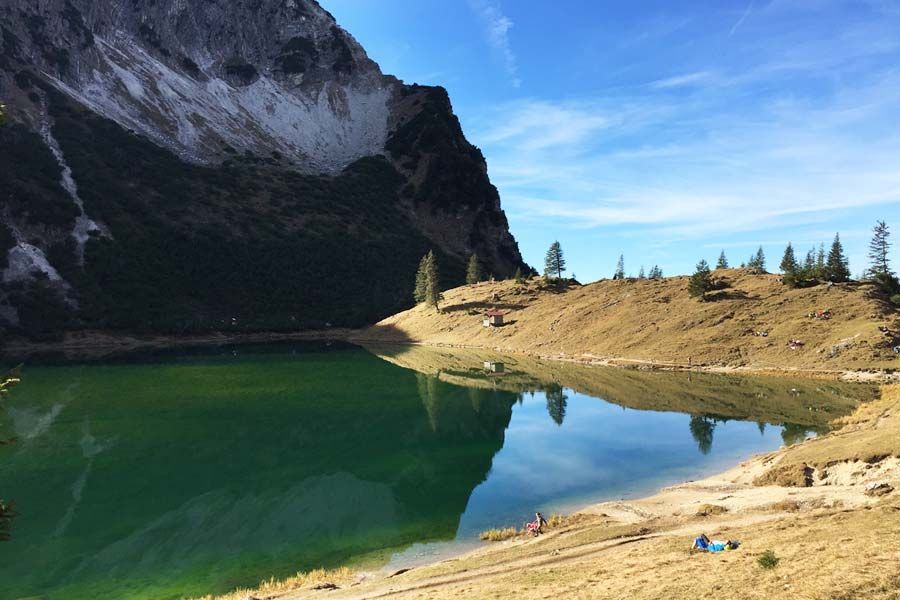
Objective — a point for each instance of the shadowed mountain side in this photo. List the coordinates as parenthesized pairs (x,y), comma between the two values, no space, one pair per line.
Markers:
(805,402)
(277,455)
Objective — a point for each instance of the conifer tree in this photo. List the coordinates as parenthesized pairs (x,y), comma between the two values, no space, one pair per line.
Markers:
(474,273)
(656,272)
(433,294)
(820,262)
(837,267)
(758,261)
(701,281)
(722,262)
(518,277)
(809,263)
(641,274)
(620,268)
(554,262)
(789,261)
(421,276)
(879,248)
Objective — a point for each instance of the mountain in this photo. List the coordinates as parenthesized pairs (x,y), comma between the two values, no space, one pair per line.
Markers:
(187,166)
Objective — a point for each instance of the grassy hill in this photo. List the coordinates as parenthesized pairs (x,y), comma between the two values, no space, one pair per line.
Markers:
(655,321)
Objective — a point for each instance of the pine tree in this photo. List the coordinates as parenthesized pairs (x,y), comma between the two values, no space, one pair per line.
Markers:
(820,262)
(789,261)
(433,294)
(474,273)
(757,262)
(723,262)
(620,268)
(641,274)
(879,248)
(554,263)
(701,281)
(837,267)
(421,276)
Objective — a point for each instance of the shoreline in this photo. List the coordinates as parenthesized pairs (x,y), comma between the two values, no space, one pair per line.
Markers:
(758,501)
(100,344)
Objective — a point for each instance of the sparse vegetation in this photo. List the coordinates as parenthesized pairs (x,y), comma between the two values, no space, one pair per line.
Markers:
(324,578)
(499,535)
(767,560)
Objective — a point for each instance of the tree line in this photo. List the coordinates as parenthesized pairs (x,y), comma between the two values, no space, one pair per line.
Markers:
(817,266)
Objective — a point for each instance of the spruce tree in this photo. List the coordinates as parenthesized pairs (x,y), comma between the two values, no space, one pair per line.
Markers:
(433,294)
(554,262)
(879,248)
(809,264)
(723,262)
(701,281)
(656,272)
(421,276)
(474,273)
(518,277)
(789,261)
(820,262)
(758,261)
(837,266)
(641,274)
(620,268)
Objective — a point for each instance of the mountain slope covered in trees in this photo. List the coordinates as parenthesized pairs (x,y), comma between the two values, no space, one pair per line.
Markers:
(189,167)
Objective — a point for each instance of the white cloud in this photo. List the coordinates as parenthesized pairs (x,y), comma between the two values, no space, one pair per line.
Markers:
(496,27)
(697,167)
(682,80)
(743,18)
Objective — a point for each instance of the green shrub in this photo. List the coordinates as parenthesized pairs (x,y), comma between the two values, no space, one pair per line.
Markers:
(767,560)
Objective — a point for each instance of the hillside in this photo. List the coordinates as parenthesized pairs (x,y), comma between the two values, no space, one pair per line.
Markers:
(191,167)
(635,322)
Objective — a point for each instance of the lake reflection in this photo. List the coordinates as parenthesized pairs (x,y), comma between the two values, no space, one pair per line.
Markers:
(187,473)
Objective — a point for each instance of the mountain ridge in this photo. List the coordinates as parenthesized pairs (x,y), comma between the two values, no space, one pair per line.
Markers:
(136,130)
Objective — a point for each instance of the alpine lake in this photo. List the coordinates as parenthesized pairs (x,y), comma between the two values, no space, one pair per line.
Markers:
(179,473)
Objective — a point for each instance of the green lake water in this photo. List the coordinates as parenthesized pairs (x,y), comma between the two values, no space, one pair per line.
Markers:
(192,472)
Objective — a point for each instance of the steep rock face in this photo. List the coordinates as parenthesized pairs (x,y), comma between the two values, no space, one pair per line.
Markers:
(188,165)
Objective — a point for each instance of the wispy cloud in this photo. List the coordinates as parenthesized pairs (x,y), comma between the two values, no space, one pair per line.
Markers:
(743,18)
(682,80)
(705,166)
(497,27)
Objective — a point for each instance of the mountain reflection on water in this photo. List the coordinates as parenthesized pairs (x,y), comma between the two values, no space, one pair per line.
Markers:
(192,472)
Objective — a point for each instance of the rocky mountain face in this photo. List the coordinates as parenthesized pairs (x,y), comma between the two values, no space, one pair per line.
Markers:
(174,165)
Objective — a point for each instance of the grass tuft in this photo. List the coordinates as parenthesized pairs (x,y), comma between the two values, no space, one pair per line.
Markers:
(280,586)
(767,560)
(498,535)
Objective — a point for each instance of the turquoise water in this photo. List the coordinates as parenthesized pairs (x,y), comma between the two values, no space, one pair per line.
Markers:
(188,473)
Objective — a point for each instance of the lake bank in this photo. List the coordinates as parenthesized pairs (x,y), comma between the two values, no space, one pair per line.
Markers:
(358,455)
(833,536)
(756,324)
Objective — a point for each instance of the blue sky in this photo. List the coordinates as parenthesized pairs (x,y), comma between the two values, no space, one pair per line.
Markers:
(665,131)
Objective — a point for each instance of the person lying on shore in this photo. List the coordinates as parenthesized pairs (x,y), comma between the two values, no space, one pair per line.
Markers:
(703,543)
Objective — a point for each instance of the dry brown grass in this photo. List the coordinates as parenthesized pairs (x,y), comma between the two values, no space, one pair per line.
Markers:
(276,587)
(499,535)
(657,321)
(706,510)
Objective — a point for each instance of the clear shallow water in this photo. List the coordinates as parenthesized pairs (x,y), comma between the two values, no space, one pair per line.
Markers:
(198,472)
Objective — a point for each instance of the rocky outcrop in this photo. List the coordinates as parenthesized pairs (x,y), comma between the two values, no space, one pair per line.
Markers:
(248,105)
